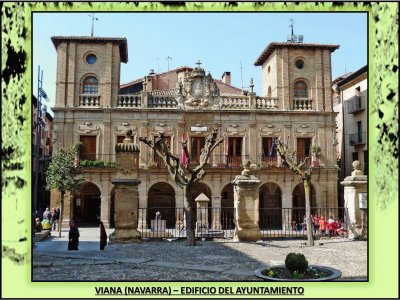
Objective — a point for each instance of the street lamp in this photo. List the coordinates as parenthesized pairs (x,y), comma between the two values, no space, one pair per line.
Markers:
(39,122)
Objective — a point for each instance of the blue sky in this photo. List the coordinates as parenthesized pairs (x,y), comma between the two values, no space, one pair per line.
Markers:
(221,41)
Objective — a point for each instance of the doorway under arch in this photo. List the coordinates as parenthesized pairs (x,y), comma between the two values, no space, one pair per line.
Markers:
(87,205)
(299,202)
(270,207)
(227,207)
(161,197)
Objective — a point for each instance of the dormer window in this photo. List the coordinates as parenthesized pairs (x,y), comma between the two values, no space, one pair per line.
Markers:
(90,85)
(300,89)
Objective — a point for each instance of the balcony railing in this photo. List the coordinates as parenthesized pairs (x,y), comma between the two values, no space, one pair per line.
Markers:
(132,100)
(357,139)
(355,104)
(302,103)
(234,102)
(214,161)
(95,160)
(266,102)
(161,101)
(89,100)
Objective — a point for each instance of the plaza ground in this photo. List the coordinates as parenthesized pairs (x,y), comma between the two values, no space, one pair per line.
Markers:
(172,260)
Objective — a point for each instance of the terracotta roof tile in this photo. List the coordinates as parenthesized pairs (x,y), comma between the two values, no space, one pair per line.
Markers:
(123,44)
(275,45)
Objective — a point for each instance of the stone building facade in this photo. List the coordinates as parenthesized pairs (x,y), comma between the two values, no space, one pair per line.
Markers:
(350,101)
(92,107)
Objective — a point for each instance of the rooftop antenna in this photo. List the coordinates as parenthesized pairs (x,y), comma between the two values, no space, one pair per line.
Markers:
(168,58)
(291,24)
(93,18)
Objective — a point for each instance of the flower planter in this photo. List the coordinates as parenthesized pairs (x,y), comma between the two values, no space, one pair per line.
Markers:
(333,274)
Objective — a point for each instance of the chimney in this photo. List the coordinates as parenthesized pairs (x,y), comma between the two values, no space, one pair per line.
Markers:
(226,77)
(151,72)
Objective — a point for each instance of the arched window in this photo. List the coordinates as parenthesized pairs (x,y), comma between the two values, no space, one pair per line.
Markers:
(300,89)
(269,93)
(90,85)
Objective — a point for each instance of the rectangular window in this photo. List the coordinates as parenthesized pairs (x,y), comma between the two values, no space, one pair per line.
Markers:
(197,143)
(88,151)
(157,159)
(267,154)
(366,162)
(359,131)
(234,151)
(354,156)
(303,148)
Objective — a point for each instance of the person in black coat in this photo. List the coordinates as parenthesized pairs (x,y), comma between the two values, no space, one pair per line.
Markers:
(103,236)
(73,236)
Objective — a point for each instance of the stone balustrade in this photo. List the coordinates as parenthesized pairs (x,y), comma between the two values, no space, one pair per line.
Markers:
(234,102)
(158,101)
(132,100)
(89,100)
(302,104)
(266,102)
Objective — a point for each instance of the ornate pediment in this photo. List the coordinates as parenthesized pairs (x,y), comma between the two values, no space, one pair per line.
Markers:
(197,90)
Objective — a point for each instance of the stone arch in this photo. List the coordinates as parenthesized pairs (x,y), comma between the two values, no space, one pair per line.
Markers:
(87,204)
(227,206)
(161,197)
(270,206)
(299,202)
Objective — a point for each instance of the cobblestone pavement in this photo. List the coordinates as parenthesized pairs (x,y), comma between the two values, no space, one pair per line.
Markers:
(210,260)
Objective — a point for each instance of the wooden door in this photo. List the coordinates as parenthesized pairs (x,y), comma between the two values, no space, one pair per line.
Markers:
(303,148)
(89,147)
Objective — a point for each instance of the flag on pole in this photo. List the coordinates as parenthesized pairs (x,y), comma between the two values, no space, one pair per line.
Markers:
(272,150)
(43,93)
(227,146)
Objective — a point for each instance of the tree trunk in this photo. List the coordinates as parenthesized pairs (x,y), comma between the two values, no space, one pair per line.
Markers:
(61,213)
(190,213)
(307,190)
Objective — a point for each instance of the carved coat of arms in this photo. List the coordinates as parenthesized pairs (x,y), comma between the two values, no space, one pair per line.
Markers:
(197,90)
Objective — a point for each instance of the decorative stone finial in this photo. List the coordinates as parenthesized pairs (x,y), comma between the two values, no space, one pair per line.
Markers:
(127,145)
(356,165)
(246,168)
(128,136)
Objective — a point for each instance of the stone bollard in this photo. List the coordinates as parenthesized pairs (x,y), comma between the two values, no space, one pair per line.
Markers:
(126,192)
(355,189)
(246,203)
(202,213)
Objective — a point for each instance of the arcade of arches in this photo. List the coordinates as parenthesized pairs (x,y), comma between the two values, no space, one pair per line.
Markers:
(161,197)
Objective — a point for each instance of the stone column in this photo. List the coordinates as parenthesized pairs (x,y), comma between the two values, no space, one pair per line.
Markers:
(246,202)
(126,192)
(68,207)
(202,213)
(105,210)
(143,213)
(216,212)
(287,202)
(354,186)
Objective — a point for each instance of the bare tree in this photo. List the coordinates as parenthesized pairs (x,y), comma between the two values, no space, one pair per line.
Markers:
(304,171)
(185,175)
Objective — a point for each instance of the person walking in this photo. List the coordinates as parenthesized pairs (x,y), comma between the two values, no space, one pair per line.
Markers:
(54,218)
(73,236)
(103,236)
(47,214)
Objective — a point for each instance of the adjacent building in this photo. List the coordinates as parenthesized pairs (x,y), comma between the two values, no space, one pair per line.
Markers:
(350,101)
(94,108)
(45,151)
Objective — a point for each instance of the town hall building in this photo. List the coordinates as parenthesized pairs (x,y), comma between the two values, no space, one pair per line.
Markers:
(93,107)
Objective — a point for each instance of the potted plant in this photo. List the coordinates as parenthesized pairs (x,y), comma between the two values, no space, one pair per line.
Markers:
(296,268)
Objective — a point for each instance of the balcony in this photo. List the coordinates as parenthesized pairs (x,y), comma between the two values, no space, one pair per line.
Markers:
(355,104)
(89,100)
(357,139)
(266,103)
(133,100)
(302,104)
(97,161)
